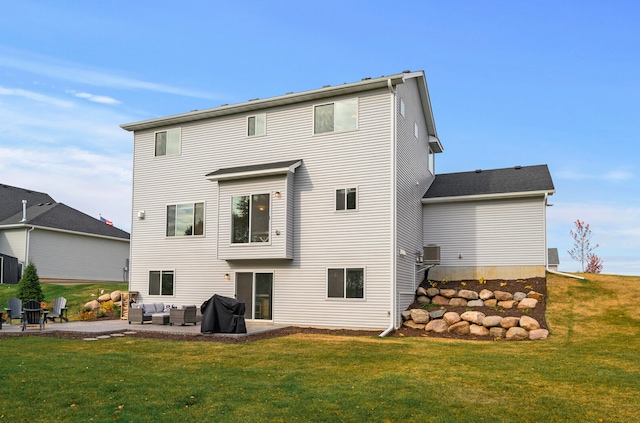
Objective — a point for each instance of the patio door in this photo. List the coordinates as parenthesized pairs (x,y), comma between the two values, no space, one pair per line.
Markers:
(256,291)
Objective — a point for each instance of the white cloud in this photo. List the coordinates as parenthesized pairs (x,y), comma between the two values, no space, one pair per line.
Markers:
(97,98)
(30,95)
(618,175)
(67,71)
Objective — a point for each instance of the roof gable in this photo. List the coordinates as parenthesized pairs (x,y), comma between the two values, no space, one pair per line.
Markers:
(518,179)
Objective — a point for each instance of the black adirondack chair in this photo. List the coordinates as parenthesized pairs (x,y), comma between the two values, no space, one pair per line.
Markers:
(59,310)
(32,314)
(14,309)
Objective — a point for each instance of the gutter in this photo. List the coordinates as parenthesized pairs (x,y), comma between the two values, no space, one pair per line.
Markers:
(392,311)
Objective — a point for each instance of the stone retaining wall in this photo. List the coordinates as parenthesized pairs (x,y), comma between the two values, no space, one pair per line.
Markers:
(432,314)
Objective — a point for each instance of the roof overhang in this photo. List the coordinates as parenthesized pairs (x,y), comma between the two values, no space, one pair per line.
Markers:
(480,197)
(366,84)
(254,171)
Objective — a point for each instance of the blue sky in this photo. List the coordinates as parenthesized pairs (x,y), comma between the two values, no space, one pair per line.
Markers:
(511,83)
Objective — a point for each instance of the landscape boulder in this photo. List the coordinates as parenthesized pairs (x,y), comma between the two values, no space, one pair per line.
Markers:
(94,305)
(517,334)
(527,303)
(423,299)
(413,325)
(104,297)
(432,292)
(485,294)
(116,296)
(503,295)
(478,330)
(440,300)
(468,294)
(448,293)
(497,332)
(473,317)
(460,328)
(519,296)
(537,334)
(437,326)
(451,317)
(491,321)
(475,303)
(510,322)
(458,302)
(419,316)
(529,323)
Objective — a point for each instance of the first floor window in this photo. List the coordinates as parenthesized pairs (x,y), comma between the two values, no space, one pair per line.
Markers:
(250,218)
(337,116)
(257,125)
(185,219)
(346,199)
(168,142)
(161,282)
(345,283)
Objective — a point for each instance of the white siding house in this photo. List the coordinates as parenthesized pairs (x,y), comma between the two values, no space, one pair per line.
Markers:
(308,207)
(62,242)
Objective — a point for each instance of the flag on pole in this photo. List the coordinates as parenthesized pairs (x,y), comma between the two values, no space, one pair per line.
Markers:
(107,221)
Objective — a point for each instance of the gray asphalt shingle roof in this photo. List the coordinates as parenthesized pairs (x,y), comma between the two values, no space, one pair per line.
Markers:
(49,214)
(516,179)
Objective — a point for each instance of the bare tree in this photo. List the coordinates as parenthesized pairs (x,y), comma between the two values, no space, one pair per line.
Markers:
(582,248)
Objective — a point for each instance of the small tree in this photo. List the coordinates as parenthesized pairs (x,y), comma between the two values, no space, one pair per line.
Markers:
(29,286)
(582,248)
(594,264)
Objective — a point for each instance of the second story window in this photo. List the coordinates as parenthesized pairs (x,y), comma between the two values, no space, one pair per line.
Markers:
(257,125)
(347,199)
(168,142)
(185,219)
(250,218)
(336,116)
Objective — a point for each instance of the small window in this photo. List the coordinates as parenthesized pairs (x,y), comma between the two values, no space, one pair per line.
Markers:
(250,218)
(347,199)
(185,219)
(432,162)
(345,283)
(168,142)
(161,282)
(337,116)
(415,130)
(257,125)
(402,111)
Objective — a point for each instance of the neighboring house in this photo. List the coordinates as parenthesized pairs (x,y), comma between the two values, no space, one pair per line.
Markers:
(553,259)
(62,242)
(309,206)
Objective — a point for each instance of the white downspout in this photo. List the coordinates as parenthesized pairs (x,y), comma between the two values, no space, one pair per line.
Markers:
(26,250)
(392,311)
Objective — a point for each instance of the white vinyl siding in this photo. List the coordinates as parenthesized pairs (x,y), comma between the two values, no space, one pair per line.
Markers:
(59,255)
(413,180)
(312,237)
(13,242)
(506,232)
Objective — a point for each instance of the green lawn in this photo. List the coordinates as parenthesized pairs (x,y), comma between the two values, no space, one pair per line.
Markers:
(587,371)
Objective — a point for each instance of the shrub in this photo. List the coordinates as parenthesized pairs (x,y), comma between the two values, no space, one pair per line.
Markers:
(29,286)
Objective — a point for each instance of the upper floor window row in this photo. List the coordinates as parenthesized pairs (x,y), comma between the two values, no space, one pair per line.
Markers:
(337,116)
(168,142)
(185,219)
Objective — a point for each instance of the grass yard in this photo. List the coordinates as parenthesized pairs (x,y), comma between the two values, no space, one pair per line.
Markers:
(587,371)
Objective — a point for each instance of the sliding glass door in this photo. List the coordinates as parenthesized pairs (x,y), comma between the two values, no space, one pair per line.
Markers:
(256,291)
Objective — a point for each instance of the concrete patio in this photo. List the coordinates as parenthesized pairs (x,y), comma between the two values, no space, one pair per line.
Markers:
(107,327)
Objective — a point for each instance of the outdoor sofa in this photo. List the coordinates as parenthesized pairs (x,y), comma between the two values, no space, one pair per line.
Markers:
(140,312)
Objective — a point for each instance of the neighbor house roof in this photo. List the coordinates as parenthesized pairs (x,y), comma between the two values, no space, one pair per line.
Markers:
(552,257)
(366,84)
(11,200)
(50,215)
(508,182)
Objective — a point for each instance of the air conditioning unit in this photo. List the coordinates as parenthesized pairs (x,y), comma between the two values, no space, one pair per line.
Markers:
(431,254)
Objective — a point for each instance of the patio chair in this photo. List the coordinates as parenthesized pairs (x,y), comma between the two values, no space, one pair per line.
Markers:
(59,310)
(181,316)
(32,314)
(14,309)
